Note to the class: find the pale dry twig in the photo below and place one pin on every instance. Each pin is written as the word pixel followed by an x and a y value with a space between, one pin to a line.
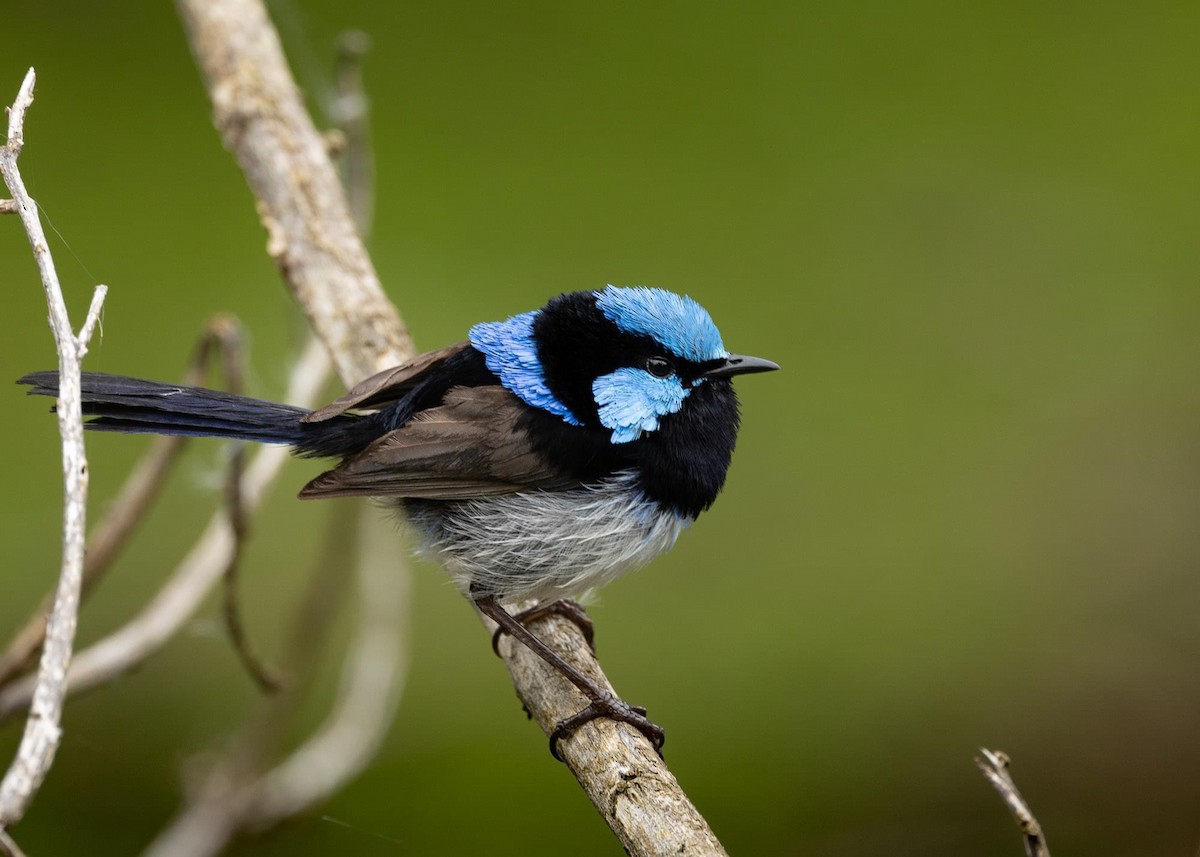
pixel 42 735
pixel 994 766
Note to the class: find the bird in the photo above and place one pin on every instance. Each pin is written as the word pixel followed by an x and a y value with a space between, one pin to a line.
pixel 540 458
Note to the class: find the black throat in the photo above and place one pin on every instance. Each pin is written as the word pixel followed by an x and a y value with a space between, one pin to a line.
pixel 681 466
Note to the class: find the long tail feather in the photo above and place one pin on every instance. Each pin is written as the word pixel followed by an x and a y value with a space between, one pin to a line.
pixel 117 403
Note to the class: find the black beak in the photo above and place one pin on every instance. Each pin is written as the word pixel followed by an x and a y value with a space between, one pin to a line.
pixel 740 364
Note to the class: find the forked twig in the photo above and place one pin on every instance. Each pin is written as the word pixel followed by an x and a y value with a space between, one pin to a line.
pixel 39 743
pixel 228 337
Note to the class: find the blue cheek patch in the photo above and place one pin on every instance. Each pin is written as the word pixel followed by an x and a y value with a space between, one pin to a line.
pixel 632 400
pixel 510 352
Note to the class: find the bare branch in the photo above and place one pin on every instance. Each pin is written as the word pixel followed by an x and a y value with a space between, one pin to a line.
pixel 310 625
pixel 8 206
pixel 195 576
pixel 239 795
pixel 267 678
pixel 626 780
pixel 258 110
pixel 39 743
pixel 229 339
pixel 994 766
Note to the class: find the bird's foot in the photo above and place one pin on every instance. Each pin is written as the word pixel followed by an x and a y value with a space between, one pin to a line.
pixel 564 607
pixel 614 708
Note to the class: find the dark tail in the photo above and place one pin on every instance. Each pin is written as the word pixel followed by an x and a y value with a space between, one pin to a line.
pixel 134 406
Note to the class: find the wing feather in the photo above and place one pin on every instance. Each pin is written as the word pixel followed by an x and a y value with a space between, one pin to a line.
pixel 472 445
pixel 389 385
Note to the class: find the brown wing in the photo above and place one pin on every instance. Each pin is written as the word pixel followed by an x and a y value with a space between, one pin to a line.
pixel 470 446
pixel 386 386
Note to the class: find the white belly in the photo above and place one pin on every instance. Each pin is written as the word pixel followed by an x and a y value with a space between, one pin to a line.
pixel 546 544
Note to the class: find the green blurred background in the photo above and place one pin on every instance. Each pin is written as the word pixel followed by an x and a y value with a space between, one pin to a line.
pixel 965 513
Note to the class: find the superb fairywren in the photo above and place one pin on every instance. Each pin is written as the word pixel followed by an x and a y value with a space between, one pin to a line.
pixel 543 457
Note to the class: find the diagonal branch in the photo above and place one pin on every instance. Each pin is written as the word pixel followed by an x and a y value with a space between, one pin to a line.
pixel 262 120
pixel 246 791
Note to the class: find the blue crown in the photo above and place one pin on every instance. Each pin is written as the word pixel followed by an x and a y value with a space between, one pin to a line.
pixel 676 321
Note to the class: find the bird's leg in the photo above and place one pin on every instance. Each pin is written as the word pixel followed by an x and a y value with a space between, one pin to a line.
pixel 566 607
pixel 602 702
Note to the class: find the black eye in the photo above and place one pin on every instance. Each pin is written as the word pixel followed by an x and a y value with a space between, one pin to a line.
pixel 659 367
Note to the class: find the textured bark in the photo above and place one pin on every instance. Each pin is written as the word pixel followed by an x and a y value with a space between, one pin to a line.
pixel 629 784
pixel 262 120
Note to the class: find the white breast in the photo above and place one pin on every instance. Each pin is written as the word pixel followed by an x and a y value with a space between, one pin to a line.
pixel 547 544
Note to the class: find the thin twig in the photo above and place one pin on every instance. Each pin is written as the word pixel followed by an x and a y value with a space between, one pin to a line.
pixel 259 741
pixel 90 322
pixel 8 847
pixel 8 206
pixel 350 111
pixel 42 735
pixel 994 765
pixel 228 338
pixel 266 677
pixel 197 573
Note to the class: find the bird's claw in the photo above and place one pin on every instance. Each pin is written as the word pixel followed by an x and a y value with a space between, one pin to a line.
pixel 565 607
pixel 614 708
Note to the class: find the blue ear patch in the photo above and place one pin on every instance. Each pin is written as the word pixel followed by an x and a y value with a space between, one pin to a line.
pixel 632 400
pixel 678 322
pixel 510 352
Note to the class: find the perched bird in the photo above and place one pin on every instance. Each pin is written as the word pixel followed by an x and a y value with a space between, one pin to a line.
pixel 543 457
